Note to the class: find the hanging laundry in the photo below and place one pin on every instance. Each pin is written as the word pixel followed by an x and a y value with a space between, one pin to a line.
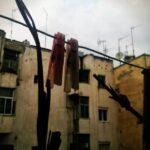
pixel 71 66
pixel 56 60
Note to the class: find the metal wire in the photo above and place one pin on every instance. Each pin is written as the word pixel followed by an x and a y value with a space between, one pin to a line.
pixel 82 47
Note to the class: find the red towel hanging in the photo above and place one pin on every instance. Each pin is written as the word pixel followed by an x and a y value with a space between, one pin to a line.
pixel 56 60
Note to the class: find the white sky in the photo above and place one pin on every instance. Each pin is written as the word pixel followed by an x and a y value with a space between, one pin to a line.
pixel 87 21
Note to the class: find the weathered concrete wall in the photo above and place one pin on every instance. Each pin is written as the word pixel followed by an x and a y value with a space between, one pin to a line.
pixel 98 130
pixel 23 130
pixel 8 80
pixel 23 134
pixel 6 124
pixel 129 80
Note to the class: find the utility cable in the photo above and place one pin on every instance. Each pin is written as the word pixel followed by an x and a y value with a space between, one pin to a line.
pixel 82 47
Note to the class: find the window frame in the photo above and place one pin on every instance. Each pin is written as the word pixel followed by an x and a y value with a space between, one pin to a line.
pixel 13 103
pixel 9 64
pixel 102 113
pixel 82 139
pixel 83 80
pixel 104 143
pixel 34 147
pixel 83 115
pixel 7 146
pixel 100 86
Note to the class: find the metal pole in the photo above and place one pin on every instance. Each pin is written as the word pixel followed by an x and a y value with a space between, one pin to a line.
pixel 103 42
pixel 120 39
pixel 12 15
pixel 104 47
pixel 132 40
pixel 127 48
pixel 11 31
pixel 46 14
pixel 119 45
pixel 146 129
pixel 126 52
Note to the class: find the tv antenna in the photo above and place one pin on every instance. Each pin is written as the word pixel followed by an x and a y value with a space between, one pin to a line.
pixel 132 40
pixel 120 55
pixel 103 43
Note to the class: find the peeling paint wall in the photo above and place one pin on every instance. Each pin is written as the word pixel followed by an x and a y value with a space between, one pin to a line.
pixel 22 132
pixel 129 80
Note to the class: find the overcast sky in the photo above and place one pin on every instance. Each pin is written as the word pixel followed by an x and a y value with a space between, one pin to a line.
pixel 87 21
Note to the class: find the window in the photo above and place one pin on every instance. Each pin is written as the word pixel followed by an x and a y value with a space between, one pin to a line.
pixel 34 148
pixel 81 142
pixel 102 77
pixel 84 76
pixel 102 113
pixel 6 147
pixel 104 145
pixel 10 61
pixel 7 103
pixel 84 107
pixel 35 78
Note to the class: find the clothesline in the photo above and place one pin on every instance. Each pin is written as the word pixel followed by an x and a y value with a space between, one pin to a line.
pixel 82 47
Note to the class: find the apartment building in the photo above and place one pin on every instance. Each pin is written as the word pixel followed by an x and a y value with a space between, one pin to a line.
pixel 87 118
pixel 129 81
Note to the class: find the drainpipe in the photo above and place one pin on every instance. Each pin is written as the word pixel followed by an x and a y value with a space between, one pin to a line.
pixel 146 128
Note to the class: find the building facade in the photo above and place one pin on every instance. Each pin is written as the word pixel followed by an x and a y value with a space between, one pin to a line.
pixel 129 81
pixel 87 119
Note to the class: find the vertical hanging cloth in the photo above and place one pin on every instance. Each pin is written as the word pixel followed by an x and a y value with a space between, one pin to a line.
pixel 2 43
pixel 56 60
pixel 71 66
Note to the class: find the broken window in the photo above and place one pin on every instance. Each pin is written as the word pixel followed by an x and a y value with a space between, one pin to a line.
pixel 84 75
pixel 10 61
pixel 102 77
pixel 84 107
pixel 102 113
pixel 104 145
pixel 7 103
